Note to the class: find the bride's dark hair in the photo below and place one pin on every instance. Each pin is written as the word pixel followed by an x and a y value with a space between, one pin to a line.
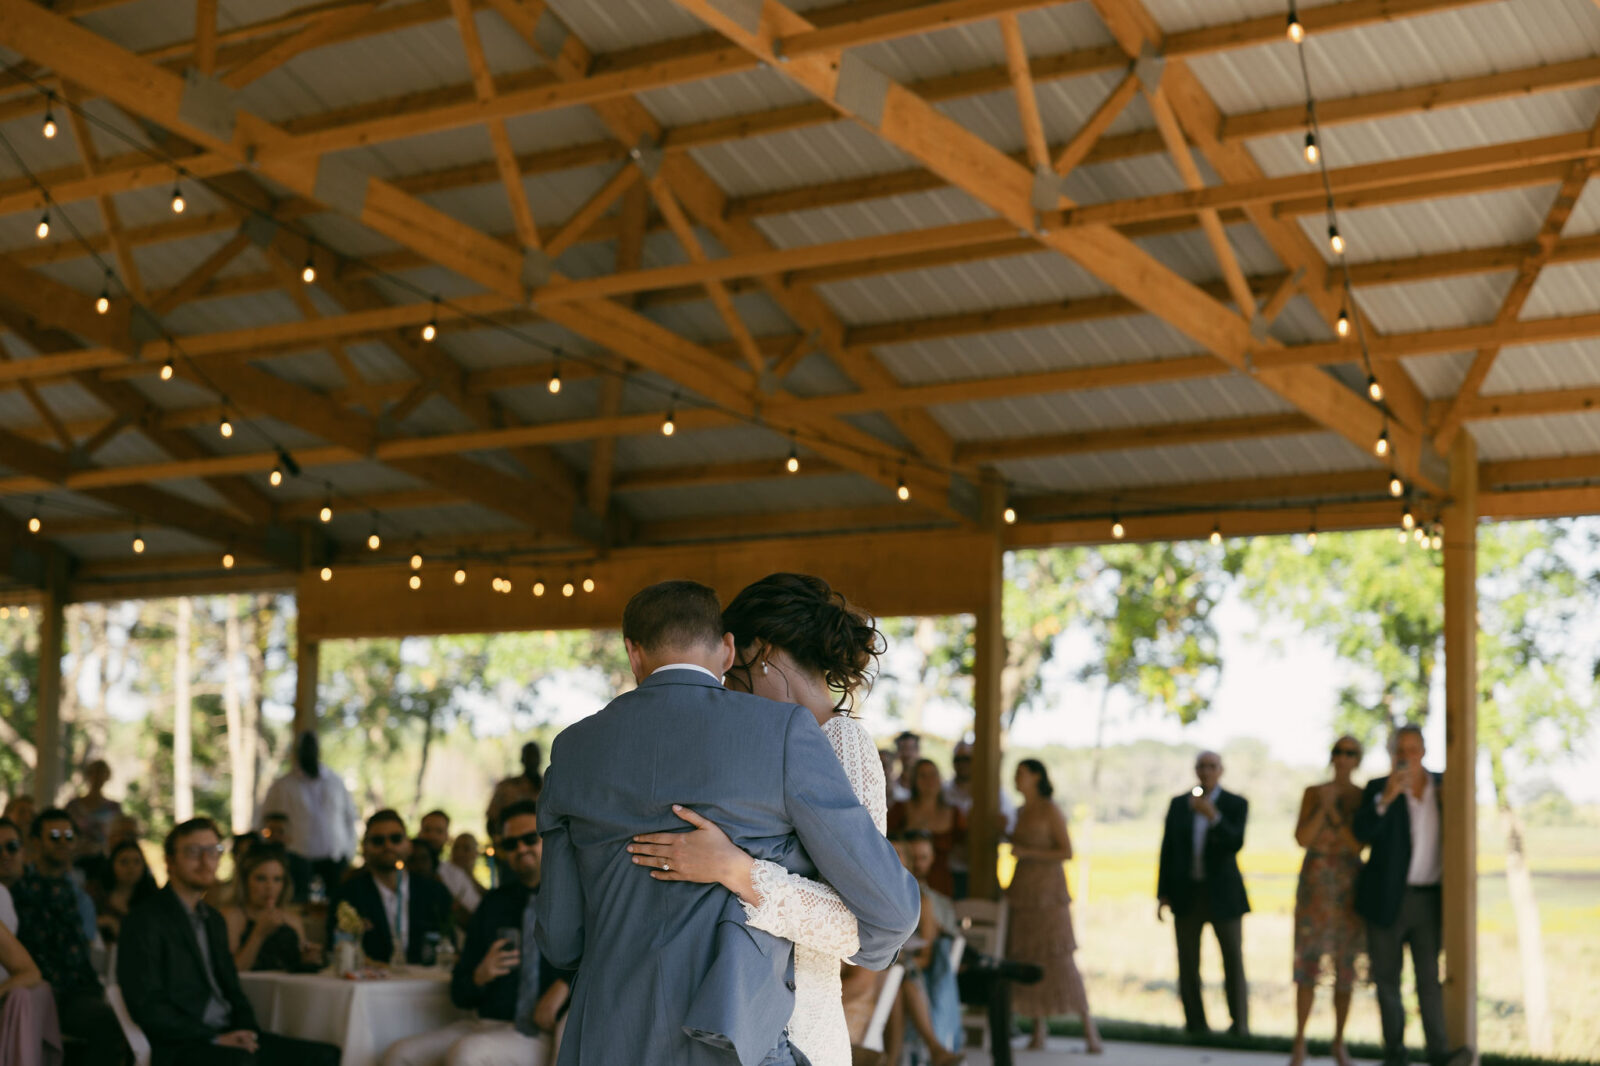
pixel 818 628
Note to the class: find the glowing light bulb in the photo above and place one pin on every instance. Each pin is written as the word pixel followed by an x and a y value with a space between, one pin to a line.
pixel 326 514
pixel 416 562
pixel 22 612
pixel 1436 541
pixel 178 202
pixel 588 584
pixel 166 370
pixel 1380 447
pixel 138 544
pixel 49 129
pixel 102 305
pixel 227 560
pixel 430 331
pixel 538 588
pixel 225 427
pixel 1400 536
pixel 902 490
pixel 308 273
pixel 1009 516
pixel 1408 521
pixel 792 464
pixel 1342 327
pixel 1313 153
pixel 1216 534
pixel 461 577
pixel 276 477
pixel 327 573
pixel 1311 537
pixel 373 541
pixel 1117 530
pixel 669 425
pixel 1296 31
pixel 1397 487
pixel 567 589
pixel 415 582
pixel 1374 389
pixel 34 525
pixel 42 230
pixel 1335 241
pixel 555 381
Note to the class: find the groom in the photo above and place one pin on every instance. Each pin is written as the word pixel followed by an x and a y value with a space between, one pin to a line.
pixel 668 972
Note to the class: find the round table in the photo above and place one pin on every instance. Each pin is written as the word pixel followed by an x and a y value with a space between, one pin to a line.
pixel 361 1017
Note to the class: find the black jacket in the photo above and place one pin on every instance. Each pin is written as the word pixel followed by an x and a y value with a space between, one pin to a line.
pixel 1381 886
pixel 502 908
pixel 1223 883
pixel 162 976
pixel 428 905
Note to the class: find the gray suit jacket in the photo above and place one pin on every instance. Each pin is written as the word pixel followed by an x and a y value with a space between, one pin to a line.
pixel 668 972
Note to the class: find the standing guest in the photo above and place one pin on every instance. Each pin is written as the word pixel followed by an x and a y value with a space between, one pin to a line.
pixel 524 786
pixel 927 809
pixel 51 926
pixel 263 934
pixel 178 977
pixel 464 856
pixel 1398 893
pixel 276 830
pixel 92 813
pixel 1199 880
pixel 488 973
pixel 121 883
pixel 1325 921
pixel 12 859
pixel 20 810
pixel 907 749
pixel 463 889
pixel 319 807
pixel 30 1033
pixel 400 909
pixel 959 794
pixel 1041 910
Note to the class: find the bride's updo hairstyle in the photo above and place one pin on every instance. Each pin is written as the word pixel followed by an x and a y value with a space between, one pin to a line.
pixel 816 626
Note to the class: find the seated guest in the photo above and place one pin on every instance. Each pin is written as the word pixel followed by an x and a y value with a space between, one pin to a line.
pixel 50 924
pixel 20 811
pixel 423 860
pixel 400 910
pixel 220 894
pixel 12 858
pixel 261 933
pixel 177 974
pixel 121 883
pixel 927 808
pixel 464 857
pixel 487 975
pixel 929 995
pixel 54 842
pixel 30 1034
pixel 276 830
pixel 463 889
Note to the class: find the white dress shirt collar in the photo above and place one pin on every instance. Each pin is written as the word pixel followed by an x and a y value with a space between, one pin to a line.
pixel 686 666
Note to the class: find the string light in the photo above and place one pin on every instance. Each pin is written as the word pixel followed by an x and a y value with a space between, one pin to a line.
pixel 538 587
pixel 1380 447
pixel 34 525
pixel 1313 153
pixel 227 560
pixel 49 129
pixel 42 230
pixel 1437 540
pixel 1009 516
pixel 1295 29
pixel 415 582
pixel 588 584
pixel 669 425
pixel 555 379
pixel 374 542
pixel 792 464
pixel 1311 535
pixel 167 369
pixel 1397 488
pixel 1216 534
pixel 431 330
pixel 1117 530
pixel 276 477
pixel 567 590
pixel 1335 241
pixel 1374 389
pixel 225 427
pixel 416 562
pixel 1408 521
pixel 308 273
pixel 460 576
pixel 138 544
pixel 327 573
pixel 1400 536
pixel 178 202
pixel 1342 326
pixel 103 303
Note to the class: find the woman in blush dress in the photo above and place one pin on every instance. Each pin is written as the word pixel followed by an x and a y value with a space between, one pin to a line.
pixel 1326 926
pixel 798 642
pixel 929 811
pixel 1041 910
pixel 30 1034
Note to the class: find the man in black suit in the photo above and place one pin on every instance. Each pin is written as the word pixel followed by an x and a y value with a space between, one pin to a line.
pixel 400 910
pixel 1199 880
pixel 177 974
pixel 1398 893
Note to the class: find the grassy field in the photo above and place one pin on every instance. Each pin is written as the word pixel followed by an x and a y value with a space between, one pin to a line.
pixel 1129 963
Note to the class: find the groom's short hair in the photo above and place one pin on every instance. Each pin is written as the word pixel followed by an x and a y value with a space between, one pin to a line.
pixel 673 614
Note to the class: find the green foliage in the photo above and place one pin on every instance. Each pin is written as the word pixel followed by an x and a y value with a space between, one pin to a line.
pixel 19 697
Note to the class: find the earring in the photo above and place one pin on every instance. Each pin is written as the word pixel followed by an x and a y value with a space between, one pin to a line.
pixel 763 668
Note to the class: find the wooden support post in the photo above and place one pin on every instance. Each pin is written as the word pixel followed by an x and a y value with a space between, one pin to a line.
pixel 307 660
pixel 1461 745
pixel 49 742
pixel 989 660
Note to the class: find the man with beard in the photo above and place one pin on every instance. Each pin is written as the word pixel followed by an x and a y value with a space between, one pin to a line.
pixel 319 807
pixel 400 910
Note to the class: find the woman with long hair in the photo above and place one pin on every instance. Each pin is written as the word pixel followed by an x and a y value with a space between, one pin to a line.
pixel 799 642
pixel 30 1032
pixel 1326 926
pixel 1041 909
pixel 262 932
pixel 928 810
pixel 122 882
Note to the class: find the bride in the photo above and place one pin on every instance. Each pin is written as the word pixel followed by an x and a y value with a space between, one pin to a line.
pixel 799 642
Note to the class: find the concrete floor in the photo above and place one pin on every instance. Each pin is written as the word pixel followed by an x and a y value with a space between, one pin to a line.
pixel 1069 1052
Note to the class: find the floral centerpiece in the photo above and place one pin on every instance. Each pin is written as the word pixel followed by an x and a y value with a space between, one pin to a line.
pixel 348 929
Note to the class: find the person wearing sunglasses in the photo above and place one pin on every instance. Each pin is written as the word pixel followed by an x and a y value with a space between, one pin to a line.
pixel 52 925
pixel 1326 926
pixel 495 965
pixel 400 910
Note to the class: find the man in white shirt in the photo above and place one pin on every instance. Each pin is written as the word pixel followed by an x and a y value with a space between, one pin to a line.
pixel 320 809
pixel 1399 894
pixel 435 833
pixel 958 793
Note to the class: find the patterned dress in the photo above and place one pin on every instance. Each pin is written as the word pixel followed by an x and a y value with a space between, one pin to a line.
pixel 1326 925
pixel 1040 919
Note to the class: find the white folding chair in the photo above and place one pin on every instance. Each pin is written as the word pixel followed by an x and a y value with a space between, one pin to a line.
pixel 137 1041
pixel 873 1039
pixel 983 925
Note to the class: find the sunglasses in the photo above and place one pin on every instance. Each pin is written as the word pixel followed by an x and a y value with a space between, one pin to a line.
pixel 526 840
pixel 11 847
pixel 1352 752
pixel 62 834
pixel 394 839
pixel 196 852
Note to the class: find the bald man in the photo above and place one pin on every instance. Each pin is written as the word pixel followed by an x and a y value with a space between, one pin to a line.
pixel 1199 880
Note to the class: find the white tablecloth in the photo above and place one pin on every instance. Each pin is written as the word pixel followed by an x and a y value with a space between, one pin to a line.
pixel 362 1017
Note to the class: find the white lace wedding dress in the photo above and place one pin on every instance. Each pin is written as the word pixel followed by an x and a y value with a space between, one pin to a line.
pixel 810 914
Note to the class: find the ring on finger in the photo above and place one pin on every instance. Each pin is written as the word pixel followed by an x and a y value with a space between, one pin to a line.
pixel 665 865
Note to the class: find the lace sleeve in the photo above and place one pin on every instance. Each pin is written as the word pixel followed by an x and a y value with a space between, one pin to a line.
pixel 859 757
